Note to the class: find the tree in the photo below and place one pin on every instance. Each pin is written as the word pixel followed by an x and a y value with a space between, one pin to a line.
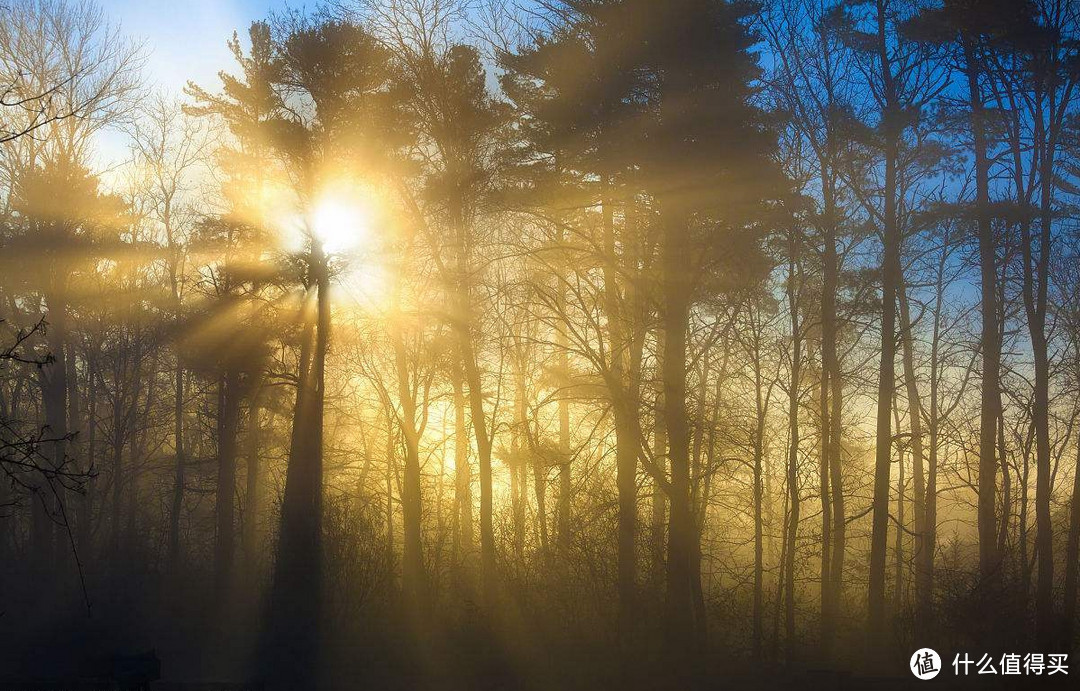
pixel 447 104
pixel 173 149
pixel 247 106
pixel 343 73
pixel 971 29
pixel 812 87
pixel 1040 93
pixel 575 143
pixel 65 73
pixel 705 134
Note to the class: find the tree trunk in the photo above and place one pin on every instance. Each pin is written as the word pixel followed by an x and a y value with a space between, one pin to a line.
pixel 758 499
pixel 562 346
pixel 624 407
pixel 1035 285
pixel 891 277
pixel 483 448
pixel 412 565
pixel 660 455
pixel 517 470
pixel 925 617
pixel 832 507
pixel 791 532
pixel 836 480
pixel 565 480
pixel 484 454
pixel 179 479
pixel 898 540
pixel 180 468
pixel 676 296
pixel 86 503
pixel 225 504
pixel 254 491
pixel 991 350
pixel 528 458
pixel 116 504
pixel 699 499
pixel 54 390
pixel 297 589
pixel 626 442
pixel 463 520
pixel 463 328
pixel 922 566
pixel 391 470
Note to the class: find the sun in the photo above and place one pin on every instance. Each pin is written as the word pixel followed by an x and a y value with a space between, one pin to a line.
pixel 341 225
pixel 344 226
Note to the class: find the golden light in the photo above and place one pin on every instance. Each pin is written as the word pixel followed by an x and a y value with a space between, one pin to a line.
pixel 341 225
pixel 346 221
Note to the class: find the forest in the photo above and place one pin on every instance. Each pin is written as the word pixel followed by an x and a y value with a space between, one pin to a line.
pixel 540 344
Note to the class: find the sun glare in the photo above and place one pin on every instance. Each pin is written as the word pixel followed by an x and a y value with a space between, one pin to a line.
pixel 341 225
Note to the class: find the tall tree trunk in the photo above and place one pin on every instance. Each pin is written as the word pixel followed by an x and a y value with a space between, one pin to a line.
pixel 179 479
pixel 926 557
pixel 296 614
pixel 991 349
pixel 540 492
pixel 626 454
pixel 517 469
pixel 139 440
pixel 898 540
pixel 463 328
pixel 887 370
pixel 562 346
pixel 463 520
pixel 1035 285
pixel 791 532
pixel 54 385
pixel 9 410
pixel 119 441
pixel 836 480
pixel 65 546
pixel 565 480
pixel 660 455
pixel 412 565
pixel 225 504
pixel 86 504
pixel 832 542
pixel 922 566
pixel 697 588
pixel 530 459
pixel 1006 484
pixel 758 500
pixel 254 491
pixel 1024 524
pixel 676 297
pixel 180 468
pixel 624 407
pixel 699 484
pixel 391 470
pixel 483 448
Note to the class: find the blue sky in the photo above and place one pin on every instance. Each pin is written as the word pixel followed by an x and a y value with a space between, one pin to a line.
pixel 185 39
pixel 182 40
